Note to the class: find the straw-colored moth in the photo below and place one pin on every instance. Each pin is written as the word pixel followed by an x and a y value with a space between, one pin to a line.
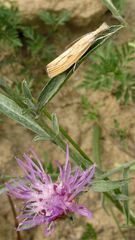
pixel 73 53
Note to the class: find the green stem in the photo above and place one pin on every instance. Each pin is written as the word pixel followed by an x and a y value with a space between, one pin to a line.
pixel 79 157
pixel 72 142
pixel 117 223
pixel 117 169
pixel 15 217
pixel 75 155
pixel 120 207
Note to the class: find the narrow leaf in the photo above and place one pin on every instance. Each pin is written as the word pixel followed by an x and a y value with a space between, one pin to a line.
pixel 114 11
pixel 45 137
pixel 108 185
pixel 120 168
pixel 121 197
pixel 55 124
pixel 26 90
pixel 125 192
pixel 55 84
pixel 13 111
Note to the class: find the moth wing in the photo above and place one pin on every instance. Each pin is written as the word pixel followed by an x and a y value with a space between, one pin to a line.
pixel 74 53
pixel 68 58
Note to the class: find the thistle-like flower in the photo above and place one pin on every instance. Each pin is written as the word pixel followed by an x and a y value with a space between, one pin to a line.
pixel 46 201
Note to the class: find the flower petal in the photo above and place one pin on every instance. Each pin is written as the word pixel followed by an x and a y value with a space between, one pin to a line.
pixel 80 209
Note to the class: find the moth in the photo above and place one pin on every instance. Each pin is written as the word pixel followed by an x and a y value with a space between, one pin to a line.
pixel 73 53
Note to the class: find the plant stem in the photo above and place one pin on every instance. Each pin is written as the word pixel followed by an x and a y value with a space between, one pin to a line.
pixel 117 223
pixel 75 155
pixel 14 214
pixel 80 157
pixel 72 142
pixel 119 206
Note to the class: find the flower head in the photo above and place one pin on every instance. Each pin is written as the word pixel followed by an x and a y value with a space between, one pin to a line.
pixel 45 200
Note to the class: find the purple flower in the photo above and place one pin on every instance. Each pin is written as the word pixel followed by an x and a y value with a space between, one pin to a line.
pixel 44 200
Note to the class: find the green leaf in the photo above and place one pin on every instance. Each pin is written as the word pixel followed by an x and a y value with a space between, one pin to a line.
pixel 89 233
pixel 55 124
pixel 107 185
pixel 13 111
pixel 26 90
pixel 121 197
pixel 132 168
pixel 119 4
pixel 9 24
pixel 55 84
pixel 45 137
pixel 54 19
pixel 36 46
pixel 64 17
pixel 120 168
pixel 28 32
pixel 114 11
pixel 125 192
pixel 51 88
pixel 4 178
pixel 2 188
